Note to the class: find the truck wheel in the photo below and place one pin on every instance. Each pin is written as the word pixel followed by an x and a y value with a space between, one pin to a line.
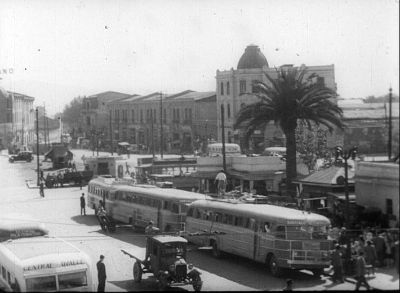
pixel 197 284
pixel 162 283
pixel 215 251
pixel 275 270
pixel 137 272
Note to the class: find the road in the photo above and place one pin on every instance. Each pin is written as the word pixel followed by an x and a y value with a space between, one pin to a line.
pixel 60 211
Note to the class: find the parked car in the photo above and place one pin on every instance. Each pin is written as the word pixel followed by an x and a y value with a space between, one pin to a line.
pixel 21 156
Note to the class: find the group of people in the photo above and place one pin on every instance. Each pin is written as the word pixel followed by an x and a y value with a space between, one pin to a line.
pixel 368 250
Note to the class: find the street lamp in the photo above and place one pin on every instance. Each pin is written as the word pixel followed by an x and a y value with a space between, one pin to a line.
pixel 345 155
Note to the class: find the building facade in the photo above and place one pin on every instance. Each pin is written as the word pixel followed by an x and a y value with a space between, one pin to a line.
pixel 185 118
pixel 234 90
pixel 377 185
pixel 17 120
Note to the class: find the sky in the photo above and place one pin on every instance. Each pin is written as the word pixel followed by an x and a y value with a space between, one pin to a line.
pixel 58 50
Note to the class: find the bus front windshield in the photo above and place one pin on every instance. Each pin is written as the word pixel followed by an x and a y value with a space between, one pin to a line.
pixel 65 281
pixel 306 232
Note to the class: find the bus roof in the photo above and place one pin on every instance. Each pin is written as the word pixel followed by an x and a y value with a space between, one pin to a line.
pixel 14 223
pixel 25 249
pixel 169 193
pixel 271 212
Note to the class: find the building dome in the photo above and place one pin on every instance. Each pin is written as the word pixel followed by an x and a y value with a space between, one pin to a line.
pixel 252 58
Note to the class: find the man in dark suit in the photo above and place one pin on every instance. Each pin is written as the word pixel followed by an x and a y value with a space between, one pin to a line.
pixel 101 274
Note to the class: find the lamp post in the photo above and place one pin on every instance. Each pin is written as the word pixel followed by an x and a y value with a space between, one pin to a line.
pixel 345 155
pixel 37 145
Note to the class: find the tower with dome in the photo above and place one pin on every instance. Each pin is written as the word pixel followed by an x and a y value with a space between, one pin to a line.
pixel 234 88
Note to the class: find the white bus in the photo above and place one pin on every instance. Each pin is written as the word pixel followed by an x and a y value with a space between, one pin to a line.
pixel 43 263
pixel 231 149
pixel 166 207
pixel 277 236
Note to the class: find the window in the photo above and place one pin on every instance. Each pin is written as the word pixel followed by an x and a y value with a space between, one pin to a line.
pixel 41 284
pixel 190 114
pixel 141 116
pixel 389 206
pixel 72 280
pixel 167 205
pixel 228 88
pixel 165 116
pixel 190 212
pixel 280 232
pixel 321 81
pixel 175 208
pixel 222 88
pixel 154 115
pixel 238 221
pixel 133 115
pixel 3 272
pixel 229 111
pixel 242 86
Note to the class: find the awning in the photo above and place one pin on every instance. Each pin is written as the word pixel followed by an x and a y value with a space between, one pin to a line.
pixel 341 196
pixel 123 144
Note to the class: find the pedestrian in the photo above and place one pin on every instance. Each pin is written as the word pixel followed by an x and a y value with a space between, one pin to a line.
pixel 289 285
pixel 73 166
pixel 360 272
pixel 41 188
pixel 83 204
pixel 101 274
pixel 149 228
pixel 337 264
pixel 221 184
pixel 379 243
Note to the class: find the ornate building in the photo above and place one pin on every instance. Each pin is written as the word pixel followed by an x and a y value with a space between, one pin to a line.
pixel 234 88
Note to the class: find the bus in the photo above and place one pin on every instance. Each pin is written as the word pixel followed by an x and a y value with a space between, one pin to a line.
pixel 231 150
pixel 14 226
pixel 278 236
pixel 39 263
pixel 166 207
pixel 103 189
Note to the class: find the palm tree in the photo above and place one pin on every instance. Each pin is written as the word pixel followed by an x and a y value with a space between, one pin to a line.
pixel 285 100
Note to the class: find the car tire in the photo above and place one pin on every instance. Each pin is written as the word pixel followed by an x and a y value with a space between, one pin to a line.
pixel 197 284
pixel 274 269
pixel 137 272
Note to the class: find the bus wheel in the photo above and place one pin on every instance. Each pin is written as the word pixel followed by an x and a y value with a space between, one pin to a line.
pixel 317 272
pixel 275 270
pixel 137 272
pixel 215 251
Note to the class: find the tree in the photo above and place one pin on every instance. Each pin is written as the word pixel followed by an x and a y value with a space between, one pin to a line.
pixel 312 144
pixel 285 100
pixel 71 115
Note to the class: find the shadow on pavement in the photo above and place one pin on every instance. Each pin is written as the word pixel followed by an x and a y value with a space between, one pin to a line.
pixel 89 220
pixel 257 276
pixel 148 283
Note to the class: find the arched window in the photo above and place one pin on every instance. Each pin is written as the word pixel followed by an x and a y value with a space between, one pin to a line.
pixel 222 88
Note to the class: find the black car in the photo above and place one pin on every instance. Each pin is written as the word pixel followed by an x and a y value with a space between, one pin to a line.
pixel 21 156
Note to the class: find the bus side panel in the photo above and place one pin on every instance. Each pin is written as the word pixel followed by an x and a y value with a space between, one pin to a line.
pixel 169 221
pixel 196 226
pixel 265 245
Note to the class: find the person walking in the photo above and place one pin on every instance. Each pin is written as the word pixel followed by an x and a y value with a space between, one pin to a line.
pixel 380 247
pixel 337 264
pixel 221 184
pixel 370 254
pixel 360 271
pixel 41 188
pixel 83 204
pixel 101 274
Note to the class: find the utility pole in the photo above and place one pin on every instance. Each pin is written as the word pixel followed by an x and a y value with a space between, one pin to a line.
pixel 161 128
pixel 223 137
pixel 390 125
pixel 111 135
pixel 44 125
pixel 37 145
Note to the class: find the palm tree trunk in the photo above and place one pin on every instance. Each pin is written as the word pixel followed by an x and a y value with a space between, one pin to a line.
pixel 291 164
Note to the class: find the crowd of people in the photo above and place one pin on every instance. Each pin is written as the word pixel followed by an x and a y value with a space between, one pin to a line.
pixel 377 248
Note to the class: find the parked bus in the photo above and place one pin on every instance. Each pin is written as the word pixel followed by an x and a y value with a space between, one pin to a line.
pixel 277 236
pixel 231 149
pixel 42 263
pixel 166 207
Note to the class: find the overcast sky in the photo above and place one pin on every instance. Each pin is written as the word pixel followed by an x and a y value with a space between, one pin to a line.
pixel 62 49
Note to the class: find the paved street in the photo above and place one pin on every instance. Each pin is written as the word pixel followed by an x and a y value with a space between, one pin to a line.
pixel 59 210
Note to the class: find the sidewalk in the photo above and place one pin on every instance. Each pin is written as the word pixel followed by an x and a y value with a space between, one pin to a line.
pixel 384 279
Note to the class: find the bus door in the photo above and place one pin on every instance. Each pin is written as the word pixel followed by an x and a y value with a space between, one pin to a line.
pixel 265 240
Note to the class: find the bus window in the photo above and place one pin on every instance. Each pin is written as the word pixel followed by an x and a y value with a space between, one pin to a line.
pixel 224 219
pixel 3 272
pixel 238 221
pixel 266 227
pixel 8 278
pixel 196 213
pixel 175 208
pixel 229 219
pixel 72 280
pixel 190 212
pixel 40 284
pixel 167 205
pixel 184 208
pixel 280 232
